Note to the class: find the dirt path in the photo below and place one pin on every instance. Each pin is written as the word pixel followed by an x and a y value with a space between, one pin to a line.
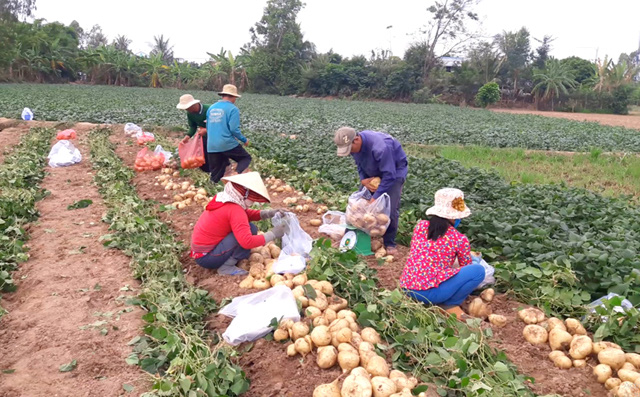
pixel 70 300
pixel 629 121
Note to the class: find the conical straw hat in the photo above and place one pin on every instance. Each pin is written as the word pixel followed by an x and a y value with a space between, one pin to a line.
pixel 251 181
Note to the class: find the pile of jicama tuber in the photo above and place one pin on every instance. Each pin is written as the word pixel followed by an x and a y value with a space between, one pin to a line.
pixel 188 194
pixel 572 347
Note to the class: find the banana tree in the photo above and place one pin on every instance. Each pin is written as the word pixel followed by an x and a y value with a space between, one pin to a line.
pixel 156 69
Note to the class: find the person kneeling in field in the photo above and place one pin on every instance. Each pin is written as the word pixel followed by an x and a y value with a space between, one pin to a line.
pixel 430 275
pixel 223 234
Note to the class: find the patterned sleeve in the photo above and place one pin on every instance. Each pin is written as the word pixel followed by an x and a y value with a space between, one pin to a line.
pixel 463 251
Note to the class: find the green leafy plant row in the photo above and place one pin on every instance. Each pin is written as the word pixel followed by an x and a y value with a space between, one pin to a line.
pixel 20 176
pixel 175 347
pixel 426 124
pixel 440 350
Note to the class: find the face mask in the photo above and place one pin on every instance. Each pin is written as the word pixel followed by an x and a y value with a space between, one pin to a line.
pixel 457 223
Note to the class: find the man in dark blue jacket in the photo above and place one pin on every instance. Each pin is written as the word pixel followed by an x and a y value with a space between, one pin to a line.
pixel 377 155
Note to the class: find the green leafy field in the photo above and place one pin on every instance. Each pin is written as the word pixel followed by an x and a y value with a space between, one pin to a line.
pixel 426 124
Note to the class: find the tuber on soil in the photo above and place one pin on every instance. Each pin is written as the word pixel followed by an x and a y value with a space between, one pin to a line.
pixel 377 366
pixel 487 295
pixel 315 222
pixel 628 375
pixel 291 350
pixel 370 335
pixel 628 389
pixel 382 387
pixel 328 390
pixel 600 346
pixel 356 386
pixel 247 282
pixel 479 309
pixel 580 347
pixel 260 284
pixel 560 359
pixel 497 320
pixel 321 336
pixel 535 334
pixel 327 357
pixel 531 315
pixel 612 357
pixel 579 363
pixel 348 360
pixel 344 335
pixel 559 339
pixel 612 383
pixel 302 346
pixel 633 358
pixel 574 327
pixel 602 372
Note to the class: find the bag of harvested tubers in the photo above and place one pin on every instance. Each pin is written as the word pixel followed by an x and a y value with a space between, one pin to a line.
pixel 371 218
pixel 296 245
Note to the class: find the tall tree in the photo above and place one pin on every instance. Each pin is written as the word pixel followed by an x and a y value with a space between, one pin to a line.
pixel 515 48
pixel 15 9
pixel 542 52
pixel 161 46
pixel 122 43
pixel 95 37
pixel 277 50
pixel 447 31
pixel 484 58
pixel 556 78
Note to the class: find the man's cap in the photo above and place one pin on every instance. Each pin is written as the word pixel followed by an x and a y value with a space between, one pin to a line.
pixel 344 139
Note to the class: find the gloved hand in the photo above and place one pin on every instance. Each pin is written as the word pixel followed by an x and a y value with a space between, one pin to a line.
pixel 276 232
pixel 268 214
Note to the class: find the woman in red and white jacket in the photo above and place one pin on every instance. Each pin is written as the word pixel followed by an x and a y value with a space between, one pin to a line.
pixel 430 275
pixel 224 233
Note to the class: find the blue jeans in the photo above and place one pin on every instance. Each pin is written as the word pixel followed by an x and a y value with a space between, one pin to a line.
pixel 452 291
pixel 227 248
pixel 389 238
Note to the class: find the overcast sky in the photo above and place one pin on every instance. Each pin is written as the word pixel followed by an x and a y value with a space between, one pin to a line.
pixel 352 27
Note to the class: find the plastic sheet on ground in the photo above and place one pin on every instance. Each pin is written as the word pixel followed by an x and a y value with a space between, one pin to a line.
pixel 64 154
pixel 131 129
pixel 253 313
pixel 296 245
pixel 488 271
pixel 624 305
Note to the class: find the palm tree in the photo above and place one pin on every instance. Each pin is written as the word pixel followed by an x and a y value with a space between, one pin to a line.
pixel 554 79
pixel 161 46
pixel 122 43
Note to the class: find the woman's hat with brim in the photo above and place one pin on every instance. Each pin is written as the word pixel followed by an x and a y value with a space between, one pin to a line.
pixel 251 181
pixel 186 101
pixel 229 89
pixel 449 204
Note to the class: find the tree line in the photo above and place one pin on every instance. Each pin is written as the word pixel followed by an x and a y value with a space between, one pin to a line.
pixel 278 60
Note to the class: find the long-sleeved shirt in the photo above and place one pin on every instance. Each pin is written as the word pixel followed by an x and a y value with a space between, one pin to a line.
pixel 195 120
pixel 431 262
pixel 223 127
pixel 220 219
pixel 382 156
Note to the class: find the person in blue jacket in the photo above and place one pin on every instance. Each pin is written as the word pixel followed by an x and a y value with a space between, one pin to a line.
pixel 377 155
pixel 225 140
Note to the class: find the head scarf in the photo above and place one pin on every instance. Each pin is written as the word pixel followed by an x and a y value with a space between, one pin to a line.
pixel 231 195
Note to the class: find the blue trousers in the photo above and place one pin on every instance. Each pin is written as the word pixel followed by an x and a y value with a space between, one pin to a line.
pixel 452 291
pixel 389 238
pixel 227 248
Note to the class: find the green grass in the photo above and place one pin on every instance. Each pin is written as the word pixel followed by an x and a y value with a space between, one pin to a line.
pixel 611 175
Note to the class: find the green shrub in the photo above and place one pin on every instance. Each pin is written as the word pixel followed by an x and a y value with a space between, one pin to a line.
pixel 621 99
pixel 488 94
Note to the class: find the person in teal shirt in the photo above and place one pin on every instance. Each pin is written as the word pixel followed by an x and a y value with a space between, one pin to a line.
pixel 197 122
pixel 225 140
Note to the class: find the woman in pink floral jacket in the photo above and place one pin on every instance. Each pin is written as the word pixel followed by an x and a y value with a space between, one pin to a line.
pixel 430 274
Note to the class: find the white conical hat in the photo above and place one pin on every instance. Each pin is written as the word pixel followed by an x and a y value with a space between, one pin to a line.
pixel 251 181
pixel 449 204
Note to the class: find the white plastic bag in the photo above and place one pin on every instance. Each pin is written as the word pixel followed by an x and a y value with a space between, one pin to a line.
pixel 333 224
pixel 167 155
pixel 27 114
pixel 131 129
pixel 296 245
pixel 624 305
pixel 63 154
pixel 253 313
pixel 371 218
pixel 488 271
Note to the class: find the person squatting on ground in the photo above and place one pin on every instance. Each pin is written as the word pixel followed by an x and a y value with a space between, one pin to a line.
pixel 224 234
pixel 377 155
pixel 430 275
pixel 196 121
pixel 223 129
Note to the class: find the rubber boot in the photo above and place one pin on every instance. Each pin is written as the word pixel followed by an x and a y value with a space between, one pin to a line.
pixel 229 268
